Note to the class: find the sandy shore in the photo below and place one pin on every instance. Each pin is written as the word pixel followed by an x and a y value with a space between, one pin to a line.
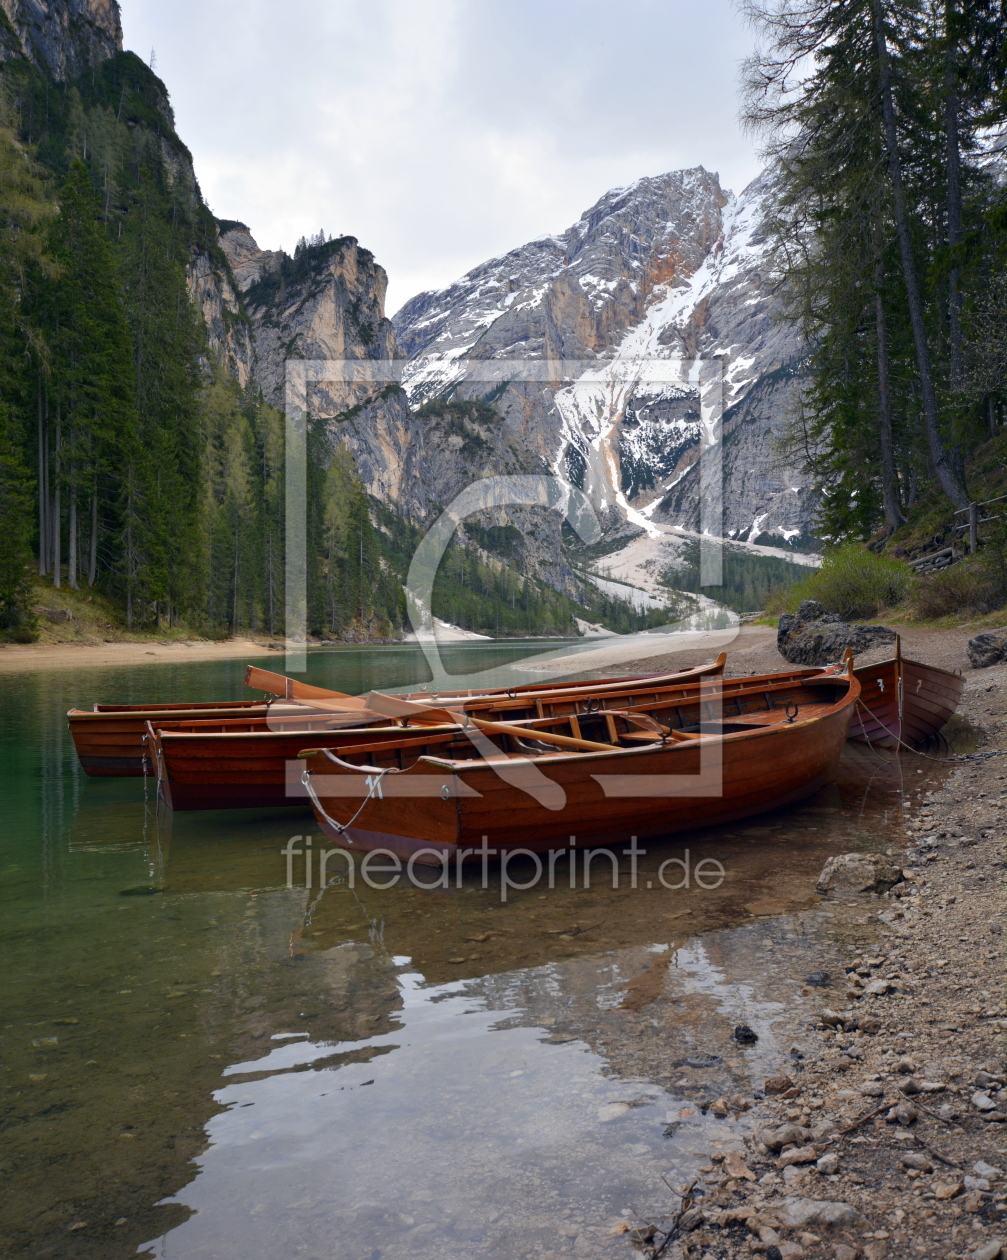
pixel 17 657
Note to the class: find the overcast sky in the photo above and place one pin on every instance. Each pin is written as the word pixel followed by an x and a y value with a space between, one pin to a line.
pixel 441 132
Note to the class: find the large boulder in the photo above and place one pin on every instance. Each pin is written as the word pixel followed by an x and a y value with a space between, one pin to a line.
pixel 987 649
pixel 858 872
pixel 812 636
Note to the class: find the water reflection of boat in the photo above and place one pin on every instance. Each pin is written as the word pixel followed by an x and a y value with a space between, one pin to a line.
pixel 903 701
pixel 712 756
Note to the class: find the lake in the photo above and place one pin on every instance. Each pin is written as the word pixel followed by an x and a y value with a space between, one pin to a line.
pixel 202 1061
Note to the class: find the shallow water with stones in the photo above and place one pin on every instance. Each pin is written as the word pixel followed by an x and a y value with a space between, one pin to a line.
pixel 200 1061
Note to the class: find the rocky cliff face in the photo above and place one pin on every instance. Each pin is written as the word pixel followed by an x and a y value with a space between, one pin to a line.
pixel 64 39
pixel 228 333
pixel 66 36
pixel 667 270
pixel 327 303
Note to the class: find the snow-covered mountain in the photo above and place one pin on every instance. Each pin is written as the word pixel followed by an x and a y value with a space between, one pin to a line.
pixel 666 271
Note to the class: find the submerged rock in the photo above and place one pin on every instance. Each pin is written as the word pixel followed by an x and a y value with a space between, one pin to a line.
pixel 812 636
pixel 858 872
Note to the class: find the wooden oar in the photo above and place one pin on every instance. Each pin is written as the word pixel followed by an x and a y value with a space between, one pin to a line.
pixel 291 689
pixel 393 706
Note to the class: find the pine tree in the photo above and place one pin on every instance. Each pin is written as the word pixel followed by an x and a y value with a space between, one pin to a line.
pixel 25 210
pixel 86 419
pixel 161 570
pixel 872 108
pixel 15 530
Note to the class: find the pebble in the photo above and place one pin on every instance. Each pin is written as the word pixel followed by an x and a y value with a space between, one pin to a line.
pixel 778 1084
pixel 947 1189
pixel 826 1213
pixel 910 1086
pixel 976 1183
pixel 872 1089
pixel 989 1251
pixel 982 1101
pixel 799 1155
pixel 906 1113
pixel 914 1160
pixel 828 1165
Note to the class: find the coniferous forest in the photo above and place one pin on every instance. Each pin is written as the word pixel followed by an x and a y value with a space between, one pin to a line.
pixel 883 123
pixel 132 463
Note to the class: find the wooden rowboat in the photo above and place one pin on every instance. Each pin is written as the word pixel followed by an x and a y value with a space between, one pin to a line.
pixel 721 754
pixel 110 738
pixel 242 763
pixel 903 702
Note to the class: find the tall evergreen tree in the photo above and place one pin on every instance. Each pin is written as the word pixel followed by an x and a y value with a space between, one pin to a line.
pixel 25 210
pixel 86 421
pixel 160 565
pixel 872 108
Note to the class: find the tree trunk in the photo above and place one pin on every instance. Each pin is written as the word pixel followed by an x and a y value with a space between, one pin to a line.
pixel 272 622
pixel 955 230
pixel 234 598
pixel 947 474
pixel 72 540
pixel 129 567
pixel 43 492
pixel 57 513
pixel 92 566
pixel 889 478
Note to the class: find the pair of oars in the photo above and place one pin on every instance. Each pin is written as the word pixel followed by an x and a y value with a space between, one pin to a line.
pixel 393 706
pixel 379 704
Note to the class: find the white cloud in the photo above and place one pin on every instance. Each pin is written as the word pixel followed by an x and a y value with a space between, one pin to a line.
pixel 441 132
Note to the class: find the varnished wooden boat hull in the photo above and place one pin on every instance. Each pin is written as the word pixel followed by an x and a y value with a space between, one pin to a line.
pixel 233 770
pixel 434 807
pixel 903 702
pixel 109 738
pixel 242 765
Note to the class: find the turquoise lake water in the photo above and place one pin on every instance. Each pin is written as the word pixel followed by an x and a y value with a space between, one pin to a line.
pixel 200 1061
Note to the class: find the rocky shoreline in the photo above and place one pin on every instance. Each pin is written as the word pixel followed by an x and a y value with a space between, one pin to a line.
pixel 884 1137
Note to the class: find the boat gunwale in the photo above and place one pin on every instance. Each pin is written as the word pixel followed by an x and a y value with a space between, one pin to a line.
pixel 851 698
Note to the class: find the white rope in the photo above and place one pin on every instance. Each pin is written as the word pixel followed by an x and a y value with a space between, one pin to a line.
pixel 341 827
pixel 909 748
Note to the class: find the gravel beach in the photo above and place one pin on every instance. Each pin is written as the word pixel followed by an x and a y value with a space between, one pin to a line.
pixel 883 1133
